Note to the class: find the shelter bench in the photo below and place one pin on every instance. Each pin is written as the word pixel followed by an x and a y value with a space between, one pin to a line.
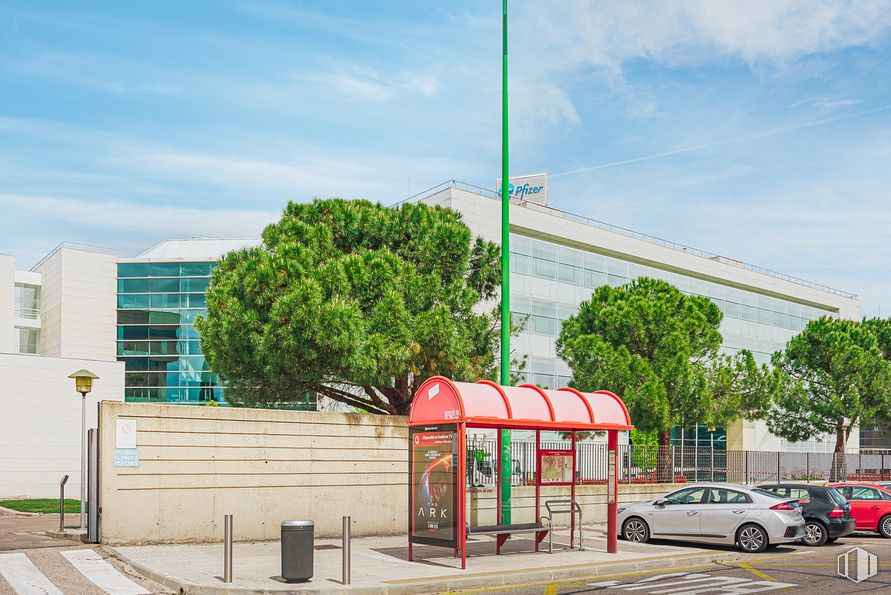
pixel 502 532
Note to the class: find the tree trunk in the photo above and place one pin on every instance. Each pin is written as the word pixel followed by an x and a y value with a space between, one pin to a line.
pixel 839 471
pixel 664 464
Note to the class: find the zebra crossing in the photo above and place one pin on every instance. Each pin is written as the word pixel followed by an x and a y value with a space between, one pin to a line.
pixel 26 578
pixel 684 583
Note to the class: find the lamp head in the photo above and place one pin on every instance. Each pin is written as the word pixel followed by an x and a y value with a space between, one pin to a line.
pixel 83 380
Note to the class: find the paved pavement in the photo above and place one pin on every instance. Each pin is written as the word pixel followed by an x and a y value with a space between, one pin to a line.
pixel 792 569
pixel 380 565
pixel 31 563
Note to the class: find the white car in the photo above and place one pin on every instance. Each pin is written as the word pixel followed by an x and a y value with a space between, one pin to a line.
pixel 749 518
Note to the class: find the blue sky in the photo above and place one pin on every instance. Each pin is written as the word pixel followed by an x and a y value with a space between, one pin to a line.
pixel 757 130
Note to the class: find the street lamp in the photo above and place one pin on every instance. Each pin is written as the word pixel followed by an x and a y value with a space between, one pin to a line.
pixel 83 383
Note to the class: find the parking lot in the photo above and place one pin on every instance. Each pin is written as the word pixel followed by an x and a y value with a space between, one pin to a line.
pixel 791 568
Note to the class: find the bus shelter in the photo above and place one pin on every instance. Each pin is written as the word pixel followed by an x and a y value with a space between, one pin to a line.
pixel 441 413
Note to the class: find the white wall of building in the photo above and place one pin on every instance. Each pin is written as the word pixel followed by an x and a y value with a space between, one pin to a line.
pixel 40 421
pixel 7 302
pixel 78 297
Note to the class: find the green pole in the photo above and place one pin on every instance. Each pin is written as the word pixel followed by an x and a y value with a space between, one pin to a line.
pixel 506 461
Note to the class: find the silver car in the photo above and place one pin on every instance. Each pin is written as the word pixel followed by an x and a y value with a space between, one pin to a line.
pixel 750 518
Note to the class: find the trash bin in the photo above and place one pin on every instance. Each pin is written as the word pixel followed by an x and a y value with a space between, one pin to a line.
pixel 297 550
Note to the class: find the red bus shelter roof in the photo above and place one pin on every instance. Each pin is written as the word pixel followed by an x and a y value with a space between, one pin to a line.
pixel 486 404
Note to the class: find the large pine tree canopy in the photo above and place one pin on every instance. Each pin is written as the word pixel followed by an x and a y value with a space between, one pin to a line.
pixel 355 301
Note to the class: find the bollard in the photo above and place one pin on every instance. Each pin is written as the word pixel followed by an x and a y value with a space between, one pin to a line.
pixel 346 550
pixel 62 503
pixel 227 549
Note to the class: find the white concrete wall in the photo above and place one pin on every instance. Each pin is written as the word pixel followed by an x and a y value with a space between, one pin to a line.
pixel 7 302
pixel 40 421
pixel 263 466
pixel 78 304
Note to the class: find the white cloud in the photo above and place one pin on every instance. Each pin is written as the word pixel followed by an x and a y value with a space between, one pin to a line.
pixel 368 85
pixel 559 41
pixel 165 220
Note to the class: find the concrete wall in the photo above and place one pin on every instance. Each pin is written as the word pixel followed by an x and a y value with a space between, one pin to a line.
pixel 200 463
pixel 197 464
pixel 40 421
pixel 78 304
pixel 7 302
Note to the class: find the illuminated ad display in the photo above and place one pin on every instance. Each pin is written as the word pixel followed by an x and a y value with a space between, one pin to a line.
pixel 434 485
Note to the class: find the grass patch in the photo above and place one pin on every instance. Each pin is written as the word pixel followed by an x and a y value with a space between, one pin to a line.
pixel 42 505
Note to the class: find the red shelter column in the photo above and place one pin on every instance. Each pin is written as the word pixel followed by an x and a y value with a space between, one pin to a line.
pixel 612 490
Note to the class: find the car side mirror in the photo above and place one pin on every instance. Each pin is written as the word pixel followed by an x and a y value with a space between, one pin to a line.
pixel 662 502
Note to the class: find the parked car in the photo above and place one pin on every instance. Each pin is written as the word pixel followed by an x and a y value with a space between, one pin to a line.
pixel 827 515
pixel 870 504
pixel 715 513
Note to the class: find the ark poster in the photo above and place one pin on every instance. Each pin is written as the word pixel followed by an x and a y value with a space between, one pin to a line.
pixel 434 485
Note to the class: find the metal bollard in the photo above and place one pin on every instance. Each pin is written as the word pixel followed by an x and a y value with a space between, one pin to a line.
pixel 62 503
pixel 346 550
pixel 227 549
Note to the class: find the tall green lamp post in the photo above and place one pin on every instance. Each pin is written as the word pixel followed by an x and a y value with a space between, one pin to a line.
pixel 505 274
pixel 83 383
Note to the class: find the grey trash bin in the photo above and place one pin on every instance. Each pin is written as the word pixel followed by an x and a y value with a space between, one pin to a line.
pixel 297 549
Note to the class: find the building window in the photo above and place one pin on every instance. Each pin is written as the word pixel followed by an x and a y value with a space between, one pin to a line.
pixel 26 340
pixel 27 301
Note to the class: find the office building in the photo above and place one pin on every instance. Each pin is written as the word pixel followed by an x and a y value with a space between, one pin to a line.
pixel 558 259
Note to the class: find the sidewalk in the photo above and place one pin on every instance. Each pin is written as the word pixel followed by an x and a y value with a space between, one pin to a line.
pixel 380 565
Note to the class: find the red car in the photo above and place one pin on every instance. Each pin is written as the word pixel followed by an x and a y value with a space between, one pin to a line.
pixel 870 504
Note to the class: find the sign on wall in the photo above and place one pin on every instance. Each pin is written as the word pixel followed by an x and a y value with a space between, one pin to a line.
pixel 531 188
pixel 126 457
pixel 434 485
pixel 125 433
pixel 555 466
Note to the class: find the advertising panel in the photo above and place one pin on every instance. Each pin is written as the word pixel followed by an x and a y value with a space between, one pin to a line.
pixel 556 466
pixel 434 485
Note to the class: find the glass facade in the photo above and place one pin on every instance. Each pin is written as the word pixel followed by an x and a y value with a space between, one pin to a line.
pixel 157 306
pixel 549 281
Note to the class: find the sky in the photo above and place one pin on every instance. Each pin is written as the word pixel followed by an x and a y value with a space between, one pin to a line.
pixel 758 130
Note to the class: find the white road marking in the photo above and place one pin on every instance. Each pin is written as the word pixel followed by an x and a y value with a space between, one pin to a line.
pixel 24 577
pixel 101 573
pixel 678 583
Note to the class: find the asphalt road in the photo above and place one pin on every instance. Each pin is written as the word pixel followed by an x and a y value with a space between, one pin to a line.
pixel 796 569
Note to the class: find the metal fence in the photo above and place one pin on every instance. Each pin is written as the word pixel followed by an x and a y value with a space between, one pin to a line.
pixel 677 464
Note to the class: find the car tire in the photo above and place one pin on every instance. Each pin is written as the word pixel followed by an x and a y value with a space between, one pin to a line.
pixel 752 539
pixel 635 530
pixel 815 533
pixel 885 526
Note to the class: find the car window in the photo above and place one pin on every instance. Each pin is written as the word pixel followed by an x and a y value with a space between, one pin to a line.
pixel 837 496
pixel 687 496
pixel 725 496
pixel 781 491
pixel 863 493
pixel 886 496
pixel 768 493
pixel 799 493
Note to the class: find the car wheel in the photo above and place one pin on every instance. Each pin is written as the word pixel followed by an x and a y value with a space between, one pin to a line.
pixel 752 539
pixel 634 529
pixel 885 526
pixel 815 534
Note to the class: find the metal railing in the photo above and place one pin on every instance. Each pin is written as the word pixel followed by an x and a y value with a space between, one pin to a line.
pixel 26 313
pixel 681 464
pixel 489 193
